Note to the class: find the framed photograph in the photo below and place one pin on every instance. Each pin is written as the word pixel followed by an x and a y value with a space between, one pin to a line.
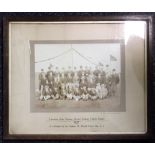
pixel 77 78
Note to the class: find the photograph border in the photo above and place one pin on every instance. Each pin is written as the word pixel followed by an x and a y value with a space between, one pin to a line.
pixel 111 137
pixel 108 41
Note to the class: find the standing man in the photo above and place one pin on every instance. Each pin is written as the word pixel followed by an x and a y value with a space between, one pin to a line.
pixel 80 72
pixel 86 70
pixel 75 80
pixel 96 71
pixel 114 82
pixel 42 83
pixel 50 78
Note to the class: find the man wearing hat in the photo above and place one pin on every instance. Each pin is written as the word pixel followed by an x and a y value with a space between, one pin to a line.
pixel 80 72
pixel 42 83
pixel 50 78
pixel 114 82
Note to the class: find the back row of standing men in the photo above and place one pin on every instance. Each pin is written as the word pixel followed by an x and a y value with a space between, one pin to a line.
pixel 85 83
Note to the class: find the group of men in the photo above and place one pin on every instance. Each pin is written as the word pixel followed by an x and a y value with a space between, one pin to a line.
pixel 77 84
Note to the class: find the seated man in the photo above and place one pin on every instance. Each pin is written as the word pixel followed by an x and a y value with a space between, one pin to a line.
pixel 63 94
pixel 104 91
pixel 76 95
pixel 84 93
pixel 92 94
pixel 69 94
pixel 47 92
pixel 98 90
pixel 57 94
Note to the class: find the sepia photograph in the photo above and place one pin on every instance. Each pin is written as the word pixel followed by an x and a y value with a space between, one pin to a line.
pixel 76 76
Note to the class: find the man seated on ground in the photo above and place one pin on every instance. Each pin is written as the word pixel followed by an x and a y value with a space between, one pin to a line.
pixel 92 94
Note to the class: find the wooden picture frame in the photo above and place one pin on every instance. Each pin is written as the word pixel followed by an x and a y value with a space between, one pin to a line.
pixel 76 137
